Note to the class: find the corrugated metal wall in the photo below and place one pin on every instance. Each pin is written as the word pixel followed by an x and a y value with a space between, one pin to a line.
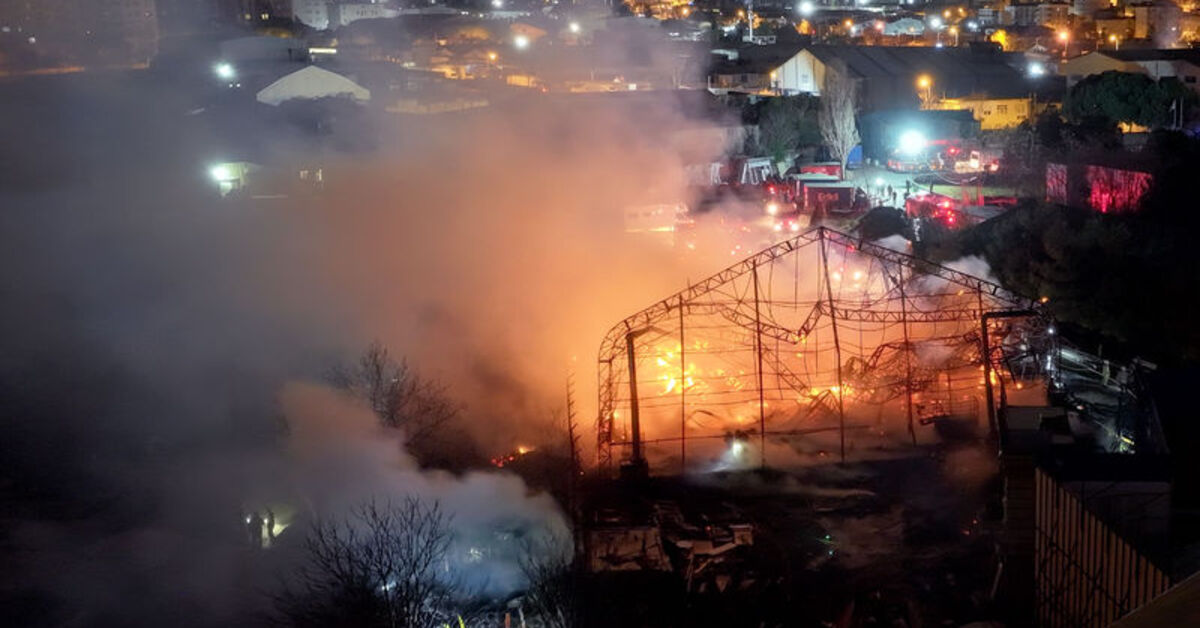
pixel 1085 574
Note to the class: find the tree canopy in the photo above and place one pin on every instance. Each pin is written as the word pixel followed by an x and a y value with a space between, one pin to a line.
pixel 1126 97
pixel 785 123
pixel 1134 277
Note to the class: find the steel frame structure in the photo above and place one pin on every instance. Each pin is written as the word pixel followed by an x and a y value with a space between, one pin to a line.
pixel 747 338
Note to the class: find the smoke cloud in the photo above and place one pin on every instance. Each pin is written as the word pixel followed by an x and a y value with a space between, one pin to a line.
pixel 154 332
pixel 339 457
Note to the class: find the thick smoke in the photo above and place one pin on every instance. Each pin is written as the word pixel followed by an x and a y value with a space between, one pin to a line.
pixel 338 457
pixel 151 327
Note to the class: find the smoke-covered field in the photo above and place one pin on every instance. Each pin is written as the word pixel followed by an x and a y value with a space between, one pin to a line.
pixel 164 352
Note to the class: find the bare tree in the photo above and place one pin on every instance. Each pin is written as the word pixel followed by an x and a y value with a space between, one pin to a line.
pixel 555 581
pixel 839 107
pixel 785 122
pixel 378 566
pixel 397 394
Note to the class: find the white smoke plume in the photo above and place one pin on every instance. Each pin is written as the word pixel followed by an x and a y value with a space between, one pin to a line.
pixel 339 457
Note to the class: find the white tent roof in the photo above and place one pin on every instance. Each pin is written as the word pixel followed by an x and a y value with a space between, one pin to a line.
pixel 311 83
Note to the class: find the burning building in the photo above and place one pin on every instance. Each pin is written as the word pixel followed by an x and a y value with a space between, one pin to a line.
pixel 819 339
pixel 827 347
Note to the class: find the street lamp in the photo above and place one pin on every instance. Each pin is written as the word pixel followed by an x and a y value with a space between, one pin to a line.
pixel 1065 38
pixel 925 88
pixel 521 42
pixel 806 8
pixel 954 31
pixel 1115 41
pixel 574 27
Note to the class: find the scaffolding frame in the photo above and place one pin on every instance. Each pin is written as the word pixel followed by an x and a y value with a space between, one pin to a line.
pixel 743 323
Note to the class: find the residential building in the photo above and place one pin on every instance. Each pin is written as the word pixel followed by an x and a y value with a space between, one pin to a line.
pixel 1088 8
pixel 260 10
pixel 1116 24
pixel 327 14
pixel 888 77
pixel 311 13
pixel 1157 21
pixel 1087 496
pixel 343 14
pixel 1182 63
pixel 1052 14
pixel 992 113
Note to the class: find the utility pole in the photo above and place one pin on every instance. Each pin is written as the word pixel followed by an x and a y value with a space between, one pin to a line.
pixel 640 468
pixel 682 393
pixel 573 503
pixel 762 402
pixel 572 437
pixel 908 383
pixel 837 349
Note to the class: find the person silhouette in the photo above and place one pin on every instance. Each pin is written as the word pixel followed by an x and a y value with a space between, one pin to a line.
pixel 254 529
pixel 270 527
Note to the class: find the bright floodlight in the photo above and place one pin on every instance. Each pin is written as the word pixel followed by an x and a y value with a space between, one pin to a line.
pixel 806 8
pixel 221 174
pixel 911 142
pixel 521 42
pixel 224 71
pixel 935 22
pixel 497 3
pixel 1036 69
pixel 574 26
